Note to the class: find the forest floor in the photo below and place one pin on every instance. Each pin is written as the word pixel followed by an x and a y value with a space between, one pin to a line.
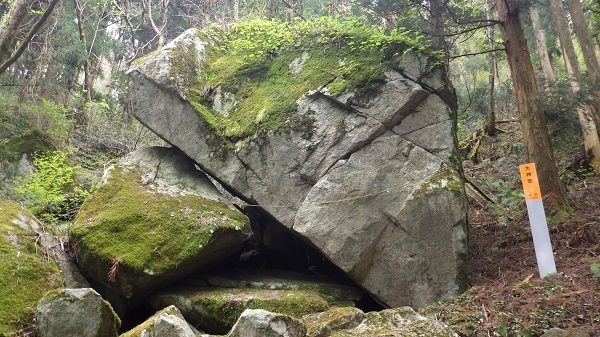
pixel 506 295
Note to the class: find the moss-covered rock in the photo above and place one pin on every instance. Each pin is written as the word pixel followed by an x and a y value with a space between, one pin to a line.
pixel 336 294
pixel 149 224
pixel 391 322
pixel 333 320
pixel 27 271
pixel 215 310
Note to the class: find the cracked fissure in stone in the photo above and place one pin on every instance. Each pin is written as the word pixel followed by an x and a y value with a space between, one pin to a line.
pixel 417 97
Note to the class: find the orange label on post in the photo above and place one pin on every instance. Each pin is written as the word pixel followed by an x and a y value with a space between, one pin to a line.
pixel 531 186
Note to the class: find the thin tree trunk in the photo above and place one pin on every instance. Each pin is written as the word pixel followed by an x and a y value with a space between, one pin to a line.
pixel 159 31
pixel 531 114
pixel 490 128
pixel 87 76
pixel 585 113
pixel 236 10
pixel 542 49
pixel 585 40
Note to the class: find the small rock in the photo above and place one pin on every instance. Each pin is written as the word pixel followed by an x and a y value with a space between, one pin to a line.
pixel 168 322
pixel 337 319
pixel 261 323
pixel 76 312
pixel 556 332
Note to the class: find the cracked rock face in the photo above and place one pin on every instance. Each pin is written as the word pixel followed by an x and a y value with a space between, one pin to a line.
pixel 371 182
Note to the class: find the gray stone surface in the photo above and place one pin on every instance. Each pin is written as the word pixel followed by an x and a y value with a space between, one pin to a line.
pixel 373 184
pixel 168 322
pixel 261 323
pixel 76 312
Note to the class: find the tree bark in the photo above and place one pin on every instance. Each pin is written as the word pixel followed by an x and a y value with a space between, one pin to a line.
pixel 542 49
pixel 585 40
pixel 87 76
pixel 585 113
pixel 490 128
pixel 4 41
pixel 562 29
pixel 531 115
pixel 10 27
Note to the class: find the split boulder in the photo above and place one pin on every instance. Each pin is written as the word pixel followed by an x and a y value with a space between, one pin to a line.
pixel 368 175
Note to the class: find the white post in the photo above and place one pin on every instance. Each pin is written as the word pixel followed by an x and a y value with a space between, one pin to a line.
pixel 537 220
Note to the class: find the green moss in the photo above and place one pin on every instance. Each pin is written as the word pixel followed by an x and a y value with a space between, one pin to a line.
pixel 226 305
pixel 184 65
pixel 446 177
pixel 255 64
pixel 151 232
pixel 26 274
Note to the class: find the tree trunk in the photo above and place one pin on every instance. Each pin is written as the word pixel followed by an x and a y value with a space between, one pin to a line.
pixel 585 113
pixel 562 29
pixel 585 40
pixel 9 27
pixel 531 114
pixel 87 76
pixel 236 10
pixel 490 128
pixel 540 40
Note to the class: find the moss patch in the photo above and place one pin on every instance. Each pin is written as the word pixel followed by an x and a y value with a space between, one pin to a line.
pixel 397 322
pixel 446 177
pixel 226 305
pixel 150 232
pixel 269 66
pixel 26 274
pixel 184 65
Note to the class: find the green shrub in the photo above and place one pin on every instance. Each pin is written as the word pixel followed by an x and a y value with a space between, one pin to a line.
pixel 47 186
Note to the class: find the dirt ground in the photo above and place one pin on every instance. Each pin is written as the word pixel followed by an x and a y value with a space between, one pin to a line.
pixel 506 295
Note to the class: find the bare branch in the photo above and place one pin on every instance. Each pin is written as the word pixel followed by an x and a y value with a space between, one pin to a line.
pixel 477 53
pixel 32 32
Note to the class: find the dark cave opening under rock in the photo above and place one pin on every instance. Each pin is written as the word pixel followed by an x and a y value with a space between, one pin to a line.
pixel 272 253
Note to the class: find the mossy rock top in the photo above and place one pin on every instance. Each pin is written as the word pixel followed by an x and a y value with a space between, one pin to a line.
pixel 246 82
pixel 27 273
pixel 215 310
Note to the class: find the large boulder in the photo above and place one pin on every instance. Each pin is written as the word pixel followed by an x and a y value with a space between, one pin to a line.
pixel 354 154
pixel 153 220
pixel 29 267
pixel 76 312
